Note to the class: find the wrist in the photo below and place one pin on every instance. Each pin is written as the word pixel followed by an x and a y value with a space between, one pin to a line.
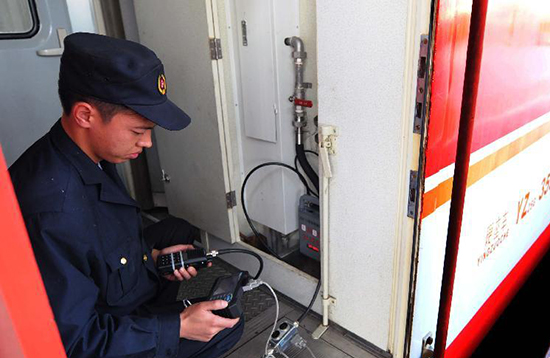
pixel 155 254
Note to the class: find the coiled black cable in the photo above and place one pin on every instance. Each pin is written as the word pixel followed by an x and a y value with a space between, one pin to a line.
pixel 257 234
pixel 254 230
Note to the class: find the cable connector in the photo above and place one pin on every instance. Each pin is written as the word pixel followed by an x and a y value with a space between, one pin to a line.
pixel 212 254
pixel 252 284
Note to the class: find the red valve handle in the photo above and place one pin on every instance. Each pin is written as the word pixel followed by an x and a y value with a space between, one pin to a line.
pixel 303 102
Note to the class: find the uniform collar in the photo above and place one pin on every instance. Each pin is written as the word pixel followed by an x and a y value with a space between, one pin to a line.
pixel 112 188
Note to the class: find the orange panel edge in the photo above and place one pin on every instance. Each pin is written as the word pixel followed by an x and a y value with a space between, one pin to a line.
pixel 22 292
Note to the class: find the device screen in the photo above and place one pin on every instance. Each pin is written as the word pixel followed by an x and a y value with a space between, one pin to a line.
pixel 226 285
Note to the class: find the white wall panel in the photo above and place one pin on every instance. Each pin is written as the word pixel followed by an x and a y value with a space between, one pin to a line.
pixel 361 52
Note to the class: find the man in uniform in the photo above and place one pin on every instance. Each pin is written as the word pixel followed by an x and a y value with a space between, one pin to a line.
pixel 97 263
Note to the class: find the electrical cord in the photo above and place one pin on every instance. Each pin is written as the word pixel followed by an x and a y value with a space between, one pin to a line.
pixel 304 314
pixel 313 355
pixel 296 166
pixel 311 174
pixel 243 203
pixel 269 353
pixel 276 316
pixel 243 251
pixel 305 151
pixel 256 283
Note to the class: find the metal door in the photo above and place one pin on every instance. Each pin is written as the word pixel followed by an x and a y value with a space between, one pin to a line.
pixel 31 38
pixel 195 161
pixel 29 67
pixel 505 227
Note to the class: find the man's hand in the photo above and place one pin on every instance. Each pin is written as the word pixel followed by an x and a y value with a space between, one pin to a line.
pixel 182 273
pixel 198 323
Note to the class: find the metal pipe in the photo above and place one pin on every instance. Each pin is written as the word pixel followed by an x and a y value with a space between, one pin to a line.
pixel 462 162
pixel 299 54
pixel 324 196
pixel 326 147
pixel 300 116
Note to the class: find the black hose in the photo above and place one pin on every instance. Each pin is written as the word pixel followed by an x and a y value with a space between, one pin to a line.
pixel 257 234
pixel 248 252
pixel 317 289
pixel 296 157
pixel 300 152
pixel 296 166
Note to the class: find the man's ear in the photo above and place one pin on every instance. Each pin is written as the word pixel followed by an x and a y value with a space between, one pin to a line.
pixel 83 114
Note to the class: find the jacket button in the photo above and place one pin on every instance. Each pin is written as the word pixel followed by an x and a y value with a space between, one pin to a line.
pixel 123 260
pixel 145 257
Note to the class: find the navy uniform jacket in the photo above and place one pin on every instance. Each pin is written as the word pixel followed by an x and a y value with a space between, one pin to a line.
pixel 86 234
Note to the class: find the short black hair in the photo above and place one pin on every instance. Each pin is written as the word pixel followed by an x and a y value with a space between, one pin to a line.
pixel 106 109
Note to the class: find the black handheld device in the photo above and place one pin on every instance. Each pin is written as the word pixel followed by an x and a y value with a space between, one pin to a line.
pixel 229 288
pixel 167 264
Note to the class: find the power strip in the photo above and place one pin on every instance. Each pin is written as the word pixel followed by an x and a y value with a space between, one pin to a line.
pixel 286 338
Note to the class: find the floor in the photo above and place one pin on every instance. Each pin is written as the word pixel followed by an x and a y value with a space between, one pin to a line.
pixel 260 310
pixel 333 344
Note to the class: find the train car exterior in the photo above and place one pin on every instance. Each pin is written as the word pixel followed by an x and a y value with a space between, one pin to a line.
pixel 505 228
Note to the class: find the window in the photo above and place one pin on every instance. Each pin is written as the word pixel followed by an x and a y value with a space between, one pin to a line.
pixel 18 19
pixel 82 15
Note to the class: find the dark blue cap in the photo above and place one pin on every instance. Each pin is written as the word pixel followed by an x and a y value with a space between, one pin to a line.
pixel 121 72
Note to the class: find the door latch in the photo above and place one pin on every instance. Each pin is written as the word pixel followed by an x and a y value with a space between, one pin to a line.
pixel 427 346
pixel 165 176
pixel 413 194
pixel 421 85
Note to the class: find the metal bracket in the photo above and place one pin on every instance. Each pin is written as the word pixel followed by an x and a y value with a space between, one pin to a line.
pixel 321 329
pixel 419 110
pixel 331 300
pixel 327 138
pixel 216 49
pixel 48 52
pixel 327 146
pixel 413 191
pixel 231 199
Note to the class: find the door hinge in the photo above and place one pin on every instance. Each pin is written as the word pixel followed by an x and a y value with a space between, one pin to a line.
pixel 216 49
pixel 421 79
pixel 413 194
pixel 231 199
pixel 244 32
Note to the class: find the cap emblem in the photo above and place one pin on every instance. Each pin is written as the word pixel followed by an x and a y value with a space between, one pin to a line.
pixel 162 84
